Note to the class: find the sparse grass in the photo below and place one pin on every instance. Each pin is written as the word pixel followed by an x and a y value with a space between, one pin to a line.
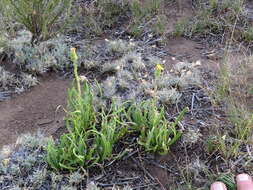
pixel 218 18
pixel 147 14
pixel 237 101
pixel 102 15
pixel 180 27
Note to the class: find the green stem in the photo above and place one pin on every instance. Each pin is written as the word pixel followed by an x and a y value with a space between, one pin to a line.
pixel 77 79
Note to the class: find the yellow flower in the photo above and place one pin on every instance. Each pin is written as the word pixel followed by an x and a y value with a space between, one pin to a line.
pixel 159 67
pixel 73 55
pixel 6 161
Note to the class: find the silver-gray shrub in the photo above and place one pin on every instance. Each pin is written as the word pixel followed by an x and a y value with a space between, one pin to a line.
pixel 50 55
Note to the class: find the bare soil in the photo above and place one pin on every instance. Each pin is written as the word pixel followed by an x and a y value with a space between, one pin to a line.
pixel 38 109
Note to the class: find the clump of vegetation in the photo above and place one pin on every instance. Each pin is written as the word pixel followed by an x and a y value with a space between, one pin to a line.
pixel 38 59
pixel 233 19
pixel 93 135
pixel 119 46
pixel 40 17
pixel 156 133
pixel 101 15
pixel 6 78
pixel 30 61
pixel 237 98
pixel 134 76
pixel 16 82
pixel 26 166
pixel 146 14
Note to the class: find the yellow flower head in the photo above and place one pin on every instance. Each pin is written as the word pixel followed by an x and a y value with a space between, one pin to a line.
pixel 73 55
pixel 6 161
pixel 159 67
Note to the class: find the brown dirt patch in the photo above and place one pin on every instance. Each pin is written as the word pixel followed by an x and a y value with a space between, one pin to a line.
pixel 185 49
pixel 34 110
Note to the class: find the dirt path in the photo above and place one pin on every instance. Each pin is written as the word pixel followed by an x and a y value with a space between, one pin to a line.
pixel 36 109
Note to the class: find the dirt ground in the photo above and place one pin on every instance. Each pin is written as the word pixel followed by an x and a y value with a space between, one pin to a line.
pixel 33 110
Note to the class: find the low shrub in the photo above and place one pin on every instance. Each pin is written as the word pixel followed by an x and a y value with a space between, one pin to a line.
pixel 40 17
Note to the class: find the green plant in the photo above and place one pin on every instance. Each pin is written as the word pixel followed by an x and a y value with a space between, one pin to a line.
pixel 143 11
pixel 158 71
pixel 247 35
pixel 41 17
pixel 103 14
pixel 110 10
pixel 85 144
pixel 231 19
pixel 112 130
pixel 213 4
pixel 236 98
pixel 156 133
pixel 159 26
pixel 180 28
pixel 74 151
pixel 228 180
pixel 92 135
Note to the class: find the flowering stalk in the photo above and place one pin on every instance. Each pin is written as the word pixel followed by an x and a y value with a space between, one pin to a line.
pixel 158 70
pixel 74 58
